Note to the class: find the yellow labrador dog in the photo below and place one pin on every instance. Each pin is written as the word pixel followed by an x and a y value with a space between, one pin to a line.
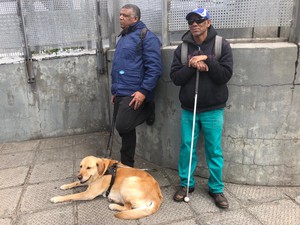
pixel 134 192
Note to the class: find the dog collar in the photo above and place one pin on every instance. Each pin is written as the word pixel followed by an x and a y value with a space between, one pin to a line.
pixel 112 170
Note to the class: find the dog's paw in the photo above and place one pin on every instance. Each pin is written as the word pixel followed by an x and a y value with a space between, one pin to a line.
pixel 112 206
pixel 56 199
pixel 116 207
pixel 64 187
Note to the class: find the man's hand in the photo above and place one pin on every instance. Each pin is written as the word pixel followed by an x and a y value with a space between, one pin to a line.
pixel 198 62
pixel 202 66
pixel 113 98
pixel 138 99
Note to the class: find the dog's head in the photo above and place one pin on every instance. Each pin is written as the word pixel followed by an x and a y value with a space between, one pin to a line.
pixel 88 169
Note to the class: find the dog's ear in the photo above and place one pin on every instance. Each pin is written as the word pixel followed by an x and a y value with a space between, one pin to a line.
pixel 102 165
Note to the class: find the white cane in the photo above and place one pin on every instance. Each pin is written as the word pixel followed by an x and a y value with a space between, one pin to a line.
pixel 186 198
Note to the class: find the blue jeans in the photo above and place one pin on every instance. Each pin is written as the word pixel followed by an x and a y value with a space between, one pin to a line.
pixel 211 123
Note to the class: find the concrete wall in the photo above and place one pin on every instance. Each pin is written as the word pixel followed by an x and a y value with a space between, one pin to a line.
pixel 67 98
pixel 262 128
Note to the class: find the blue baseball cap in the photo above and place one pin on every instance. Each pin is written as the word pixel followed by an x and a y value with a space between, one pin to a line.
pixel 199 12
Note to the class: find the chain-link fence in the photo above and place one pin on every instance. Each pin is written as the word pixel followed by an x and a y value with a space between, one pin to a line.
pixel 37 25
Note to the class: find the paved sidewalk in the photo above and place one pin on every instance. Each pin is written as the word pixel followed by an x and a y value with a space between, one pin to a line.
pixel 31 172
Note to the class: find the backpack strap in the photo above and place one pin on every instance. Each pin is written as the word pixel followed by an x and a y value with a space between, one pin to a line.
pixel 142 37
pixel 143 33
pixel 218 49
pixel 184 52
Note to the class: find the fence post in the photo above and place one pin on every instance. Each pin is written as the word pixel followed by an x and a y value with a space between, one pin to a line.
pixel 295 29
pixel 115 5
pixel 27 52
pixel 165 38
pixel 99 50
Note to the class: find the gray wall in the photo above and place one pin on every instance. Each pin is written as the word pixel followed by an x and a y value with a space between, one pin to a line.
pixel 262 127
pixel 68 98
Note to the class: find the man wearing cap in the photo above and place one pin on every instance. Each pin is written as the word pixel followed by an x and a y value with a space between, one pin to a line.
pixel 136 69
pixel 214 73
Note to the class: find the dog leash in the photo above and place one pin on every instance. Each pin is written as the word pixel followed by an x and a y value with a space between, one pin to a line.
pixel 113 172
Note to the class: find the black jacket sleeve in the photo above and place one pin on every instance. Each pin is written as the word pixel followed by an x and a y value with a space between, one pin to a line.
pixel 180 74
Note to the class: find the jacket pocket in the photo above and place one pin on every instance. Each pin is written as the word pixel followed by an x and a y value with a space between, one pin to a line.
pixel 131 77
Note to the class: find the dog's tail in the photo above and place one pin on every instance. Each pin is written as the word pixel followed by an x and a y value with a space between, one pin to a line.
pixel 138 213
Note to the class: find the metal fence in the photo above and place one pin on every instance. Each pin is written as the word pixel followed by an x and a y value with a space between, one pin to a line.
pixel 32 26
pixel 235 13
pixel 46 24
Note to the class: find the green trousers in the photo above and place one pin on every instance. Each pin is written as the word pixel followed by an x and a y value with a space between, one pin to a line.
pixel 211 124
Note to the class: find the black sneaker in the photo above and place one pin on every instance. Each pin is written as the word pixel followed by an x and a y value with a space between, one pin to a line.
pixel 151 118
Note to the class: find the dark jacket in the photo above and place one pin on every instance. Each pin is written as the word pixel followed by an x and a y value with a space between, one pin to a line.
pixel 136 64
pixel 212 91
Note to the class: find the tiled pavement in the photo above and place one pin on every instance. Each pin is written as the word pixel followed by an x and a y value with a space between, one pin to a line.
pixel 31 172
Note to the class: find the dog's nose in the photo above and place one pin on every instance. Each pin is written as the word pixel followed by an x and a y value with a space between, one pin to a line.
pixel 79 177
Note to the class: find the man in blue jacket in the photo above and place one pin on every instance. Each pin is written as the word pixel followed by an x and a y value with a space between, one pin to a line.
pixel 214 73
pixel 136 69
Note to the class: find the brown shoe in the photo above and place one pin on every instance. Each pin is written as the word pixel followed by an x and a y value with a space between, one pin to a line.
pixel 220 200
pixel 180 194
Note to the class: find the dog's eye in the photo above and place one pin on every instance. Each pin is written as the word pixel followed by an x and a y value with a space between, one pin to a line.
pixel 80 166
pixel 88 168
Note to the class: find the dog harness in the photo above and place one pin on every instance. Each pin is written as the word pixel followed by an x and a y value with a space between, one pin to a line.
pixel 112 170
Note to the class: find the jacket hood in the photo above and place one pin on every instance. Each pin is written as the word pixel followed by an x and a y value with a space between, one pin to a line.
pixel 188 37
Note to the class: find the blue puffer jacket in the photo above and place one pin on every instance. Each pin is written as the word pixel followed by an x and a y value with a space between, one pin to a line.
pixel 136 66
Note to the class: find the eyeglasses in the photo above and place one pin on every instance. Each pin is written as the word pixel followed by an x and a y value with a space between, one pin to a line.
pixel 198 21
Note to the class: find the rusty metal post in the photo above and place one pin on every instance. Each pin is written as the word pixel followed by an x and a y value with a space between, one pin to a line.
pixel 27 52
pixel 99 50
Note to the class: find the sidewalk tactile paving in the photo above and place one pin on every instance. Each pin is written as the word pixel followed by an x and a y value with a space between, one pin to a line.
pixel 13 176
pixel 200 202
pixel 297 199
pixel 169 210
pixel 9 200
pixel 96 212
pixel 185 222
pixel 5 221
pixel 16 159
pixel 37 196
pixel 60 216
pixel 173 176
pixel 20 146
pixel 237 217
pixel 99 138
pixel 52 171
pixel 292 192
pixel 48 155
pixel 32 172
pixel 86 149
pixel 160 177
pixel 282 212
pixel 249 195
pixel 56 143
